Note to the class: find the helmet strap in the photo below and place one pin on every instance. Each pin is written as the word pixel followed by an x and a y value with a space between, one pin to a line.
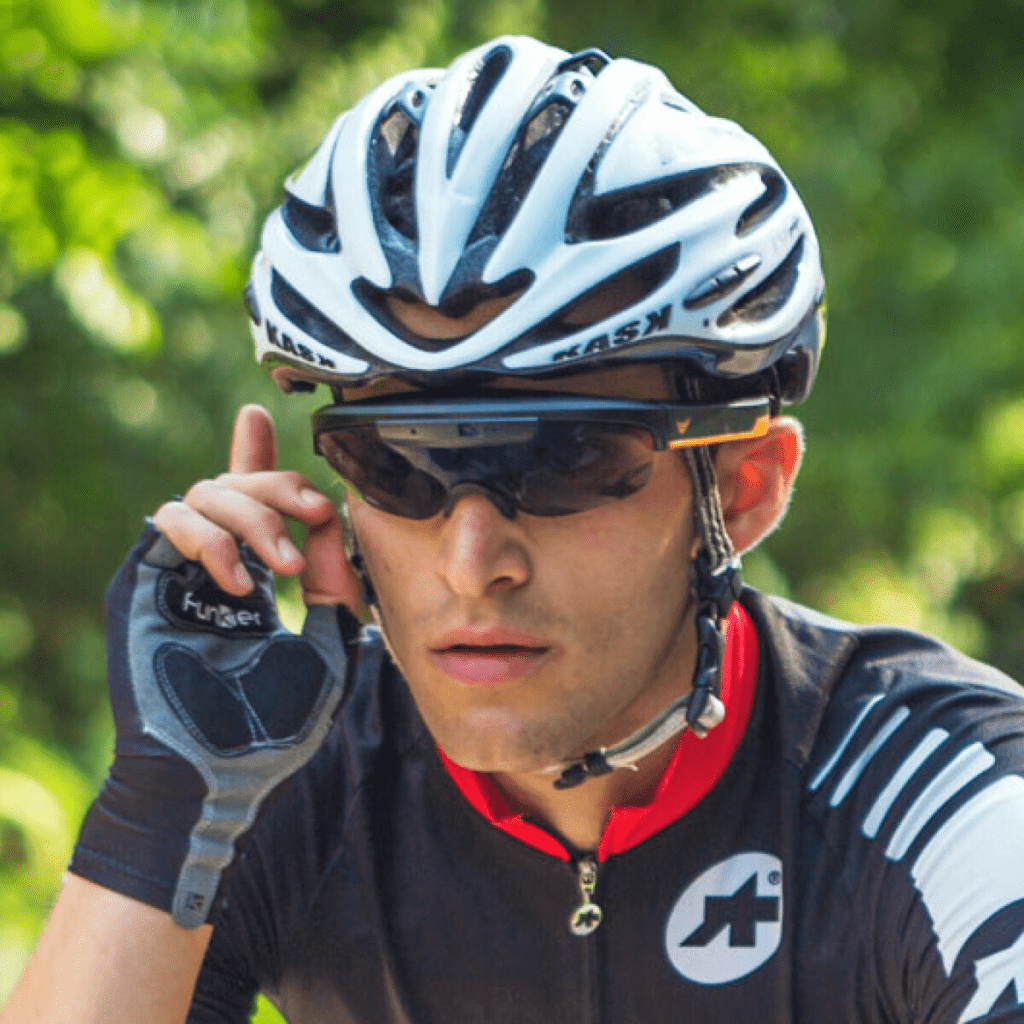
pixel 716 585
pixel 366 591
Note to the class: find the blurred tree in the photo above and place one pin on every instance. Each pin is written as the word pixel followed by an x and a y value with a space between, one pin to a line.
pixel 900 123
pixel 142 142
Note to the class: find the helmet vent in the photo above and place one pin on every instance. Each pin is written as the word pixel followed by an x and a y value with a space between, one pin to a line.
pixel 313 227
pixel 609 298
pixel 436 328
pixel 394 130
pixel 680 103
pixel 523 163
pixel 766 204
pixel 574 228
pixel 393 161
pixel 251 305
pixel 308 318
pixel 488 73
pixel 769 296
pixel 593 59
pixel 627 210
pixel 397 203
pixel 722 284
pixel 545 123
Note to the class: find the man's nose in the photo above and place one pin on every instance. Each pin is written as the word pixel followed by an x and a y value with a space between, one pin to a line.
pixel 503 502
pixel 482 547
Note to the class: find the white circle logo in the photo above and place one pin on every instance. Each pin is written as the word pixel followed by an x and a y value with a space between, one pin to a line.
pixel 728 921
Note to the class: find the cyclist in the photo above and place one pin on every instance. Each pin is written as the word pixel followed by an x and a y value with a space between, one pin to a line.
pixel 572 772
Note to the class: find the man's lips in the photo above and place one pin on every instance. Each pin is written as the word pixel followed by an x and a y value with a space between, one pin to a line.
pixel 488 656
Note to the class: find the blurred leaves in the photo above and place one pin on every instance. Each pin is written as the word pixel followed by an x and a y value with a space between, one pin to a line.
pixel 42 800
pixel 142 143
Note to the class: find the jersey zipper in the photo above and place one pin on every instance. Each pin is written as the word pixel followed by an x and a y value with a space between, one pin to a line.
pixel 584 920
pixel 587 916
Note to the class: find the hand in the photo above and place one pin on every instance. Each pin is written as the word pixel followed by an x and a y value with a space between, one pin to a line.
pixel 250 503
pixel 214 702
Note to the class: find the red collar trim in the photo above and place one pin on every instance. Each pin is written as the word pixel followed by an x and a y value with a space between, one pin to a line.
pixel 695 767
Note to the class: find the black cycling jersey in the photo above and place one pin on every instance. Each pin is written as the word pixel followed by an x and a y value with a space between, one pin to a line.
pixel 860 860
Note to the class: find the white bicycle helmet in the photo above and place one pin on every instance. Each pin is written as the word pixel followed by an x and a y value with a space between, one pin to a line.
pixel 503 197
pixel 532 212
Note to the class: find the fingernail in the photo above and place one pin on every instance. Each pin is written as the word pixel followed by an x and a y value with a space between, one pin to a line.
pixel 308 497
pixel 287 549
pixel 243 577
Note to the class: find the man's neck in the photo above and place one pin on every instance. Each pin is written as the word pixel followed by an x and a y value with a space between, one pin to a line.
pixel 579 815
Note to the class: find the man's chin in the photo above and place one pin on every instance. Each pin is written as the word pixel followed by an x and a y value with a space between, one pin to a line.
pixel 502 738
pixel 503 756
pixel 499 763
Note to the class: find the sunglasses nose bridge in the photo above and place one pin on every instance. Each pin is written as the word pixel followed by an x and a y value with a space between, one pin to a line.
pixel 503 502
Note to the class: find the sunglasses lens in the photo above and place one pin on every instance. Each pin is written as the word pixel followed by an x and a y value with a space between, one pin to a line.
pixel 573 467
pixel 381 473
pixel 567 467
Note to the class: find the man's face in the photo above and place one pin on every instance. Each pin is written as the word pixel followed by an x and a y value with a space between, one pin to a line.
pixel 529 641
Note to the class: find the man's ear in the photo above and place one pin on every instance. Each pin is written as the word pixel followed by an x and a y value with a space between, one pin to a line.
pixel 755 479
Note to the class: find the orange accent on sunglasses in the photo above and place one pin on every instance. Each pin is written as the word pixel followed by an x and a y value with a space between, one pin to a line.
pixel 759 429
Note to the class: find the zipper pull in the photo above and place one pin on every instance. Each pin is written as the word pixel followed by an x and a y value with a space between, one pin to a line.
pixel 586 918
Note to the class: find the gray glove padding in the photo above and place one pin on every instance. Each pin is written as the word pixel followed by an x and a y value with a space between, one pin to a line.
pixel 214 704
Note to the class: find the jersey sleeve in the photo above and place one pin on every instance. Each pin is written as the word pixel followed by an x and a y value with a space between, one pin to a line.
pixel 920 792
pixel 970 877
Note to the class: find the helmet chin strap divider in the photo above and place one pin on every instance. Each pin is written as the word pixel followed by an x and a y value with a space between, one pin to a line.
pixel 716 585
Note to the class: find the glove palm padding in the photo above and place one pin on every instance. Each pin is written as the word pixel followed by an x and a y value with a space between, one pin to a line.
pixel 215 704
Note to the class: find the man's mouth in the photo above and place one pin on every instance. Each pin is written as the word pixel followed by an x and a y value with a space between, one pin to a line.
pixel 489 658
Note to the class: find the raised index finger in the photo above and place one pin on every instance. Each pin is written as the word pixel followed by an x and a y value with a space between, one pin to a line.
pixel 253 445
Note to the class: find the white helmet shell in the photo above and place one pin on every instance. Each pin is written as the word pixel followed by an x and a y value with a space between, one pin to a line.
pixel 530 212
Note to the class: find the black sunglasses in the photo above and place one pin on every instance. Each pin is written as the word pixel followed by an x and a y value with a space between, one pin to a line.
pixel 545 455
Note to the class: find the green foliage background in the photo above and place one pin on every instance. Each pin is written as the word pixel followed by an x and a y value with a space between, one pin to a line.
pixel 142 143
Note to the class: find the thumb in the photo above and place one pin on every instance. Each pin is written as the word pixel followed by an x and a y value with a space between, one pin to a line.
pixel 328 578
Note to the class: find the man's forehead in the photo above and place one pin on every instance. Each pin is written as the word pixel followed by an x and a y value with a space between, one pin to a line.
pixel 639 381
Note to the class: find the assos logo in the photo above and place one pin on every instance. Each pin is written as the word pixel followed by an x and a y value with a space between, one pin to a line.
pixel 728 921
